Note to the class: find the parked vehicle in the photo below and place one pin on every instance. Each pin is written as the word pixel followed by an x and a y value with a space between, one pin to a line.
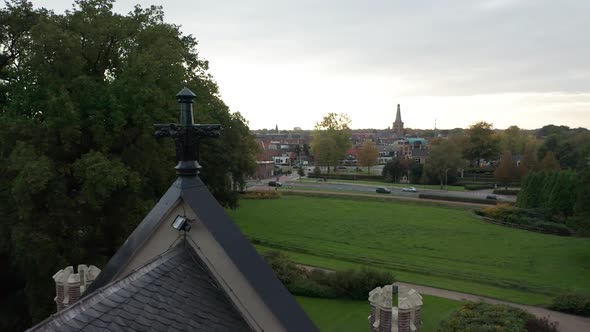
pixel 275 184
pixel 382 190
pixel 410 189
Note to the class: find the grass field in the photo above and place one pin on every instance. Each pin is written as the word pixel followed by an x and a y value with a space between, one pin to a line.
pixel 351 316
pixel 437 246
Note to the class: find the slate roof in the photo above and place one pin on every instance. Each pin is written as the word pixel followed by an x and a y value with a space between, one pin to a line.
pixel 174 292
pixel 194 192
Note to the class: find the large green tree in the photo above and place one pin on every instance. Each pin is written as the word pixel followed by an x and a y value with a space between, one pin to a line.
pixel 331 139
pixel 507 172
pixel 482 143
pixel 444 157
pixel 79 166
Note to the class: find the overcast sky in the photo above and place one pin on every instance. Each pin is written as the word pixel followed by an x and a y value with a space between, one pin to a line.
pixel 509 62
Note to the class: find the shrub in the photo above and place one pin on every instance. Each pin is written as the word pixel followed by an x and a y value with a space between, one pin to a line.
pixel 478 186
pixel 577 304
pixel 284 268
pixel 458 199
pixel 311 288
pixel 261 194
pixel 511 192
pixel 483 317
pixel 356 284
pixel 579 225
pixel 540 325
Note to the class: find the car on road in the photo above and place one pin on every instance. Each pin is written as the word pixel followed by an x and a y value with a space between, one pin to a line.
pixel 275 184
pixel 382 190
pixel 410 189
pixel 494 197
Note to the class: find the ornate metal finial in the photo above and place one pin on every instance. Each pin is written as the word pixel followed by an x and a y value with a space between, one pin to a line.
pixel 187 134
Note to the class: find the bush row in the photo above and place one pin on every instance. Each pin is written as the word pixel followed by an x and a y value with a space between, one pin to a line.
pixel 261 194
pixel 535 218
pixel 483 317
pixel 337 176
pixel 512 192
pixel 577 304
pixel 458 199
pixel 478 186
pixel 350 284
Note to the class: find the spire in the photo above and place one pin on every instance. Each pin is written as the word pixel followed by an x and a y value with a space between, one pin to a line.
pixel 187 134
pixel 398 125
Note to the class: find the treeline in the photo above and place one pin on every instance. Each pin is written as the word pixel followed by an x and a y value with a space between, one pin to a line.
pixel 565 194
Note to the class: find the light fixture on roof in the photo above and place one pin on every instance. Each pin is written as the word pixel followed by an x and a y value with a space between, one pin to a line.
pixel 181 223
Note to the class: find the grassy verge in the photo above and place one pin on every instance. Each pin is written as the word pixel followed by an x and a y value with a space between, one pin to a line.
pixel 437 246
pixel 343 316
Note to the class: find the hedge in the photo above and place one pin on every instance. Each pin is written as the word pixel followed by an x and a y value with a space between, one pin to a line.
pixel 512 192
pixel 458 199
pixel 577 304
pixel 261 194
pixel 337 176
pixel 478 186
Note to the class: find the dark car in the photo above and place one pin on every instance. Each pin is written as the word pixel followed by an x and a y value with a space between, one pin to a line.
pixel 275 184
pixel 382 190
pixel 494 197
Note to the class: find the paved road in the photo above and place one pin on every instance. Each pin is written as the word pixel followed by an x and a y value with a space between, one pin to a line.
pixel 567 323
pixel 366 188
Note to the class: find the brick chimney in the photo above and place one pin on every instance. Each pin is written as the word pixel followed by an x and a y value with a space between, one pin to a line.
pixel 69 286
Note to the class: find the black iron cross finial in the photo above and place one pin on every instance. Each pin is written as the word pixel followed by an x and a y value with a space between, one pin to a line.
pixel 187 134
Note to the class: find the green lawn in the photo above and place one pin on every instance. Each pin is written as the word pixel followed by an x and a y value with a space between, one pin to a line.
pixel 438 246
pixel 344 316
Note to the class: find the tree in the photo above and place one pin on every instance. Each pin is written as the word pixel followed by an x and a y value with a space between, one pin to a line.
pixel 331 139
pixel 507 172
pixel 368 155
pixel 513 139
pixel 395 169
pixel 444 157
pixel 482 143
pixel 550 163
pixel 528 161
pixel 79 166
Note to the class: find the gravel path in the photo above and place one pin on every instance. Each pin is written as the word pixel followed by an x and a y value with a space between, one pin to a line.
pixel 567 323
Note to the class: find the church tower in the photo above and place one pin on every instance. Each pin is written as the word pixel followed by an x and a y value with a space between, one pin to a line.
pixel 398 125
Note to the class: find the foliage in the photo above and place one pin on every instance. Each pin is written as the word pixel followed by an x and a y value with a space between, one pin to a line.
pixel 79 94
pixel 475 200
pixel 300 171
pixel 395 169
pixel 577 304
pixel 570 146
pixel 550 163
pixel 416 171
pixel 368 155
pixel 539 219
pixel 507 172
pixel 344 176
pixel 496 261
pixel 482 142
pixel 556 190
pixel 483 317
pixel 285 269
pixel 513 140
pixel 528 161
pixel 508 192
pixel 540 325
pixel 444 158
pixel 350 284
pixel 261 194
pixel 331 139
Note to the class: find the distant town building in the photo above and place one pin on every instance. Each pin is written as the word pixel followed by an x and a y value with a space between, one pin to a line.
pixel 398 125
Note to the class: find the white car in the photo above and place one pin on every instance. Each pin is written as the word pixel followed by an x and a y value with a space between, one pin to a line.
pixel 410 189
